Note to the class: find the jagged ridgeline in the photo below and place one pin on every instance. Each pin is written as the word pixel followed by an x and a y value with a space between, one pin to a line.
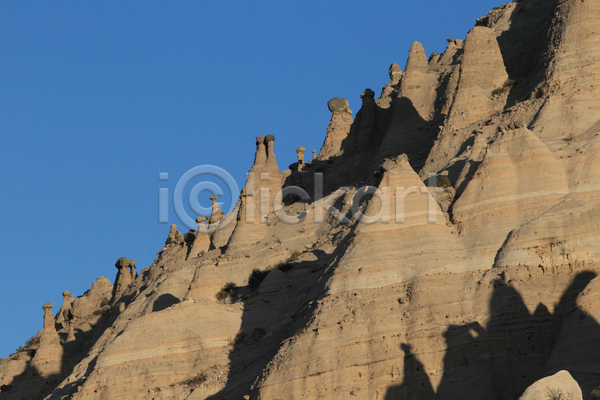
pixel 469 273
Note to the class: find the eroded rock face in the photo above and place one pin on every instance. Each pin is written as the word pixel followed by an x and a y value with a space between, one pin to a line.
pixel 125 268
pixel 174 237
pixel 253 214
pixel 338 129
pixel 201 239
pixel 64 313
pixel 482 71
pixel 48 356
pixel 466 268
pixel 216 214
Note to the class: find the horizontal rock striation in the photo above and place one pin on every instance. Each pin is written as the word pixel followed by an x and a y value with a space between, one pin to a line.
pixel 450 250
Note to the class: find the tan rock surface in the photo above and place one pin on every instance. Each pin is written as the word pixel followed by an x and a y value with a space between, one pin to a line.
pixel 481 72
pixel 338 128
pixel 476 289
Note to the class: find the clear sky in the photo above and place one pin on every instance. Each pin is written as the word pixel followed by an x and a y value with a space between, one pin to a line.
pixel 98 98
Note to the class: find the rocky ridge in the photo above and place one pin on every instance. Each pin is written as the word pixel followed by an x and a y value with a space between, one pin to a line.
pixel 466 268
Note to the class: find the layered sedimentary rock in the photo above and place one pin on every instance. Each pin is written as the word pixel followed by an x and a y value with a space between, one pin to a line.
pixel 449 249
pixel 201 241
pixel 65 310
pixel 48 357
pixel 124 277
pixel 390 90
pixel 256 200
pixel 567 73
pixel 481 72
pixel 338 129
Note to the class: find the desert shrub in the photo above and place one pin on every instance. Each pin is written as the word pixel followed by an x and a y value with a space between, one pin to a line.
pixel 557 394
pixel 287 265
pixel 257 276
pixel 100 311
pixel 227 290
pixel 221 295
pixel 197 380
pixel 505 87
pixel 239 339
pixel 244 339
pixel 257 334
pixel 105 302
pixel 31 342
pixel 443 181
pixel 570 138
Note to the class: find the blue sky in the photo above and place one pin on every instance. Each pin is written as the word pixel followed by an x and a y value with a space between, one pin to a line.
pixel 97 98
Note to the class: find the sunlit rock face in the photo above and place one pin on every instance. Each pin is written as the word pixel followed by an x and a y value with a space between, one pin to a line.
pixel 447 247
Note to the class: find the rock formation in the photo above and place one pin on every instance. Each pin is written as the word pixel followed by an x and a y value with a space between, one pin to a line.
pixel 338 129
pixel 216 214
pixel 124 277
pixel 300 150
pixel 64 314
pixel 174 237
pixel 201 242
pixel 558 386
pixel 452 253
pixel 48 356
pixel 175 245
pixel 256 200
pixel 189 238
pixel 390 91
pixel 48 317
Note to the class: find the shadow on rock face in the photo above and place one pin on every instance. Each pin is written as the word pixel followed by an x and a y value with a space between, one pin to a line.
pixel 254 347
pixel 501 360
pixel 164 301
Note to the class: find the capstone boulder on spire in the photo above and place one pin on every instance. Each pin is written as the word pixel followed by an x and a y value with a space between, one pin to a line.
pixel 48 357
pixel 395 73
pixel 338 129
pixel 123 278
pixel 339 104
pixel 300 150
pixel 48 316
pixel 216 214
pixel 64 314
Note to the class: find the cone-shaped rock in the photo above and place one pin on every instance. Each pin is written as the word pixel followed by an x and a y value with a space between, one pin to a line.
pixel 256 199
pixel 482 74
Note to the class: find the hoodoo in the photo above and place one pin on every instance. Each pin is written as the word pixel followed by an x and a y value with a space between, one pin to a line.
pixel 338 129
pixel 48 356
pixel 256 200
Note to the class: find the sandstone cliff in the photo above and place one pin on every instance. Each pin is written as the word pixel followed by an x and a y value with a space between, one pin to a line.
pixel 454 254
